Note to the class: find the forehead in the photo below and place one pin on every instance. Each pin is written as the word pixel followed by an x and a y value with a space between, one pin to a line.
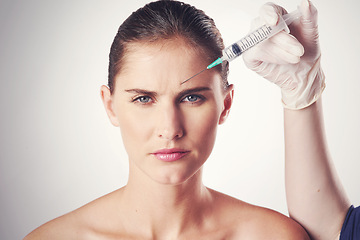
pixel 162 46
pixel 149 64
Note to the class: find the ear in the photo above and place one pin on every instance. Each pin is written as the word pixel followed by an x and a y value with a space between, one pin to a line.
pixel 108 104
pixel 228 99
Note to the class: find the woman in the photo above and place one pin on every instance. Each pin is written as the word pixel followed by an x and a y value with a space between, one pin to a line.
pixel 168 130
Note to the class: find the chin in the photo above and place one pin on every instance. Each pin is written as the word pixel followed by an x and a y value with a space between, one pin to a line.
pixel 175 178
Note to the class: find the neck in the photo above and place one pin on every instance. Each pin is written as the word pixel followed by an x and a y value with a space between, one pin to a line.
pixel 166 210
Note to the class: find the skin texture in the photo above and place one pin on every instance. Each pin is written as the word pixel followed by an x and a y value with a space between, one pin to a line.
pixel 315 195
pixel 167 200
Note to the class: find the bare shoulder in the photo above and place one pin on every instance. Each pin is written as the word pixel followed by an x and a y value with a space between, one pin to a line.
pixel 269 224
pixel 253 222
pixel 78 224
pixel 64 227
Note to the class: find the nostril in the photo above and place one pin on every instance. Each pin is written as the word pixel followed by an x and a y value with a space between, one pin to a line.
pixel 168 135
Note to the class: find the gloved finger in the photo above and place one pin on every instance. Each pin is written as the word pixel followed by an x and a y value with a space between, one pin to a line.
pixel 269 53
pixel 282 48
pixel 281 55
pixel 288 43
pixel 270 13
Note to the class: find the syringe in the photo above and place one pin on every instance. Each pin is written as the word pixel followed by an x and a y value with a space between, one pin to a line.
pixel 262 33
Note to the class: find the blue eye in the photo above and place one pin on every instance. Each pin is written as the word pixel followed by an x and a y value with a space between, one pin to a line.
pixel 143 99
pixel 192 98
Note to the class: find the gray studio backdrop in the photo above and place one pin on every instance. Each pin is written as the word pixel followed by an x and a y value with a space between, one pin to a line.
pixel 58 150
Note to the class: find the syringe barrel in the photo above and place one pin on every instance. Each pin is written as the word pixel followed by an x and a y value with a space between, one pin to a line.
pixel 252 39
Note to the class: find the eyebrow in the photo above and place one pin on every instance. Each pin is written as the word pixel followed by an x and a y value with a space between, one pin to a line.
pixel 141 91
pixel 152 93
pixel 192 90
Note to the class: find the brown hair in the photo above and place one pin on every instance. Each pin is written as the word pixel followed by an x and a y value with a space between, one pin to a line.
pixel 166 19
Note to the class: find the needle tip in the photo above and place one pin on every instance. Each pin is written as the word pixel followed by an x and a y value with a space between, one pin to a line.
pixel 192 77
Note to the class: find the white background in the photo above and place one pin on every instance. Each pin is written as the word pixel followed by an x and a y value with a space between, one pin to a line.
pixel 58 150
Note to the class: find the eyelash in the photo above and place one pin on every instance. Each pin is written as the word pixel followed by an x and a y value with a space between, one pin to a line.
pixel 198 99
pixel 139 98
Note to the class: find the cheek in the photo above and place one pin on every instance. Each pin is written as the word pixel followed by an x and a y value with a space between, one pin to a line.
pixel 202 127
pixel 135 129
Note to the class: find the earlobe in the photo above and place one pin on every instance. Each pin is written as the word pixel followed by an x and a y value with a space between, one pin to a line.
pixel 108 104
pixel 228 99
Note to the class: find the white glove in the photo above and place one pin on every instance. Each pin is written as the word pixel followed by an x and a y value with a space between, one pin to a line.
pixel 291 61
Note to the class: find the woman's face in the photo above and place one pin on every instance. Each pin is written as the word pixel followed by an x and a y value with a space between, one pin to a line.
pixel 168 129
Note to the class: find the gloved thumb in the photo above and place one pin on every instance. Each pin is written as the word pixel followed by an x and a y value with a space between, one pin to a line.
pixel 309 35
pixel 270 12
pixel 309 14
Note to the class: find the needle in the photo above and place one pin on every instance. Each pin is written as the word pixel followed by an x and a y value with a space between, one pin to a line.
pixel 213 64
pixel 193 76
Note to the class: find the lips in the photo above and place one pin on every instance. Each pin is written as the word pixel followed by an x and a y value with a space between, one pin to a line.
pixel 170 155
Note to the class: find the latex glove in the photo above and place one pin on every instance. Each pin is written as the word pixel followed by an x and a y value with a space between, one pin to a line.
pixel 291 61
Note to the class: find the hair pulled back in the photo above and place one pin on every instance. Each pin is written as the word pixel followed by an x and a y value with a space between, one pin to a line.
pixel 166 19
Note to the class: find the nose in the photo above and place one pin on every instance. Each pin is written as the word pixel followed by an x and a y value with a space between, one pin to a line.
pixel 170 125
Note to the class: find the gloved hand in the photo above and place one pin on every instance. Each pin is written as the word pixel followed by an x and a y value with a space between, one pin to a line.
pixel 291 61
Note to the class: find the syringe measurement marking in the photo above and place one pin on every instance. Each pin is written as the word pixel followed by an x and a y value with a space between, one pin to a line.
pixel 249 41
pixel 252 41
